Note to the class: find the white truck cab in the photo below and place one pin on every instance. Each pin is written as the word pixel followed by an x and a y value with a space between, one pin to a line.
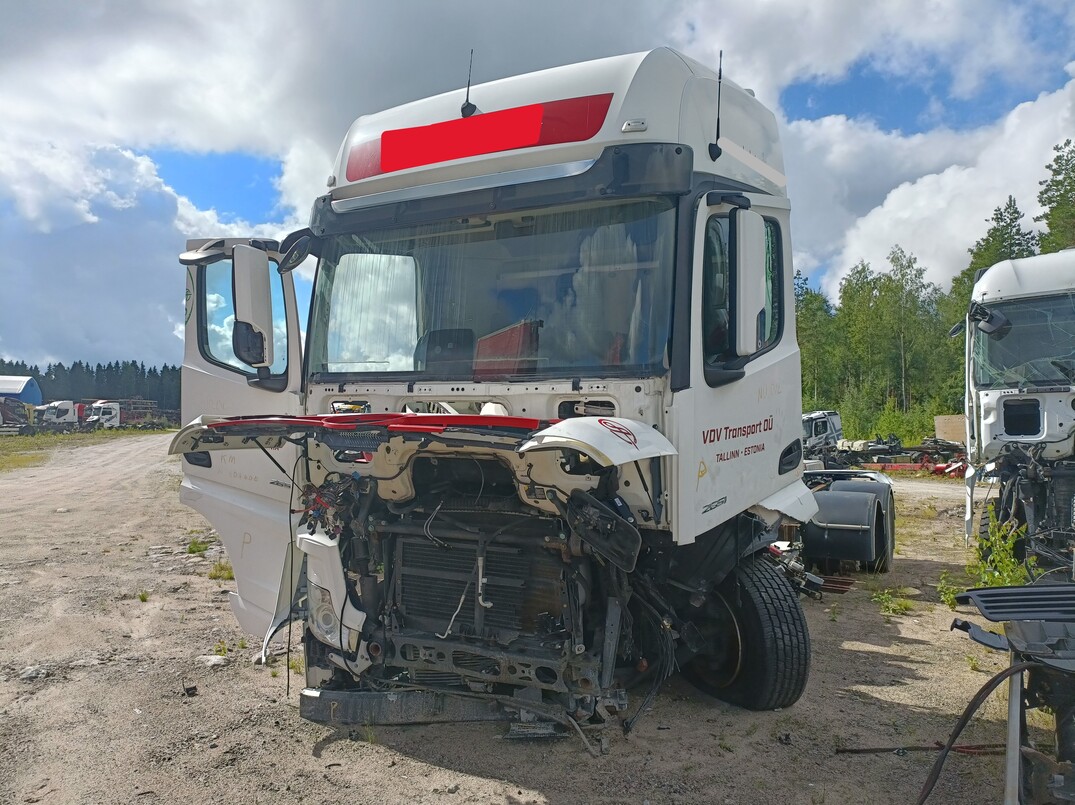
pixel 821 429
pixel 1020 400
pixel 547 420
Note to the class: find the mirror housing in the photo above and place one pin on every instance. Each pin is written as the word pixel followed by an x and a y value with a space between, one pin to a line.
pixel 252 336
pixel 991 322
pixel 747 245
pixel 297 247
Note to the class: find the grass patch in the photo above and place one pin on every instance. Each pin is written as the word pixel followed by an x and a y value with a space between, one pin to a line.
pixel 20 452
pixel 996 564
pixel 143 595
pixel 197 545
pixel 220 649
pixel 947 591
pixel 221 571
pixel 891 603
pixel 296 665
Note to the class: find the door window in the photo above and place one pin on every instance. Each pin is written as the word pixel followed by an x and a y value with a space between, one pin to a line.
pixel 717 309
pixel 217 318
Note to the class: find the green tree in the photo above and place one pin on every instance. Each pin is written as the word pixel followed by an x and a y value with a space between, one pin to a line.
pixel 1006 239
pixel 816 328
pixel 1057 196
pixel 858 352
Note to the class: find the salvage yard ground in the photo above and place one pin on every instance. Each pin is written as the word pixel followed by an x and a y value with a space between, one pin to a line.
pixel 124 678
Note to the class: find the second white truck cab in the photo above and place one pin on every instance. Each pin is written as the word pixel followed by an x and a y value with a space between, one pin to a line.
pixel 1020 399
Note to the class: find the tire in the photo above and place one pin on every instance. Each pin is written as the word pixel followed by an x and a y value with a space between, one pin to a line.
pixel 1003 514
pixel 988 509
pixel 756 618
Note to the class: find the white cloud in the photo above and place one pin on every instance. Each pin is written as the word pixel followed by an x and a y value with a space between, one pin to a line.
pixel 940 212
pixel 91 231
pixel 769 44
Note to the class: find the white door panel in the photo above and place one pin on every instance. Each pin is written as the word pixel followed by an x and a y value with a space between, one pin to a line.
pixel 730 437
pixel 242 493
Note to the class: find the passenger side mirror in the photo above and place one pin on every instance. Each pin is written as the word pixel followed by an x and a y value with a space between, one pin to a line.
pixel 252 337
pixel 747 244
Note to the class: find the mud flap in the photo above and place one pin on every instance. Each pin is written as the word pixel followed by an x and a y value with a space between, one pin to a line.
pixel 845 527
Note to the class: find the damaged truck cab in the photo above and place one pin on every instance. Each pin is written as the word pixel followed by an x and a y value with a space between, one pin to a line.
pixel 546 424
pixel 1020 396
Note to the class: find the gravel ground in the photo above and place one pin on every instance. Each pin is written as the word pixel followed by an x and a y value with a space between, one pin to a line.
pixel 94 680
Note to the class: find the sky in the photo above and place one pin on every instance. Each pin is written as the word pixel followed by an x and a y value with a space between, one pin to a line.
pixel 129 127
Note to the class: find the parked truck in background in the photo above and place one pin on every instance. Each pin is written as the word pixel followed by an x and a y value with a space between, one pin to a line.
pixel 110 414
pixel 821 429
pixel 61 416
pixel 1020 403
pixel 504 479
pixel 15 416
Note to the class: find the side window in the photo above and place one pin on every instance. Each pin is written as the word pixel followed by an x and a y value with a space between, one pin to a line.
pixel 717 312
pixel 770 328
pixel 217 318
pixel 716 292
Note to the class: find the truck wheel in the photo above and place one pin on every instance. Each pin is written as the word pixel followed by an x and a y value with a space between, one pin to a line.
pixel 758 629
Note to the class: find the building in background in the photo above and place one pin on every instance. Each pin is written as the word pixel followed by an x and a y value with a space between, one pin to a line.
pixel 23 388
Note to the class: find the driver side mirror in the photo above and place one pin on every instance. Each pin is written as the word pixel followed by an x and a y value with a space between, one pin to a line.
pixel 252 337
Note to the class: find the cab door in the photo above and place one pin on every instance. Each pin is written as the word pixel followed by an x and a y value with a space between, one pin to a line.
pixel 739 424
pixel 242 493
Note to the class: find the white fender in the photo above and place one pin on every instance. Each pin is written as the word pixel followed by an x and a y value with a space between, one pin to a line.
pixel 610 441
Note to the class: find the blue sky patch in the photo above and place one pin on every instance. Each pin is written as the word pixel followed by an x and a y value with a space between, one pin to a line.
pixel 237 186
pixel 906 104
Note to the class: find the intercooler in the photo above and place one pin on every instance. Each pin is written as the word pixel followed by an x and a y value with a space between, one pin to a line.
pixel 1060 501
pixel 445 635
pixel 523 593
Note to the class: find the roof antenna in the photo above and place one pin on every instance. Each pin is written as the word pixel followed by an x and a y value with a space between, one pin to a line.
pixel 714 149
pixel 467 109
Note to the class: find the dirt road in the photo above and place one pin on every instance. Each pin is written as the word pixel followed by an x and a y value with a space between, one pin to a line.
pixel 92 679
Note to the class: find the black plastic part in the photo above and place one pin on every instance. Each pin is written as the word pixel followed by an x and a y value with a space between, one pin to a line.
pixel 199 458
pixel 715 198
pixel 600 527
pixel 790 457
pixel 622 171
pixel 1037 602
pixel 979 635
pixel 248 345
pixel 353 708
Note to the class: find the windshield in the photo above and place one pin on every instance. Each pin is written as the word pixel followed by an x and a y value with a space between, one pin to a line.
pixel 559 291
pixel 1034 349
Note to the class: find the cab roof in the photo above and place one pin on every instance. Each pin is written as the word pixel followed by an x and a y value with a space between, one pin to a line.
pixel 1040 275
pixel 564 116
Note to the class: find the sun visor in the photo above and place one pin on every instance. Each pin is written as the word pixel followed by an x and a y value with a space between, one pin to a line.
pixel 610 441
